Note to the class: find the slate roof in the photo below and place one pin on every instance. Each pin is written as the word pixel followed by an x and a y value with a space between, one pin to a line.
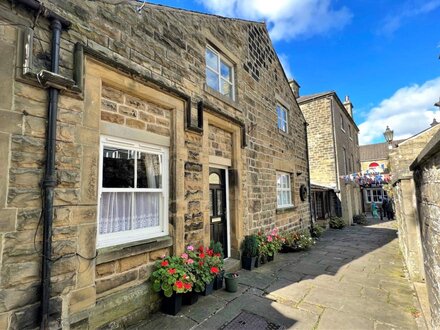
pixel 313 96
pixel 376 151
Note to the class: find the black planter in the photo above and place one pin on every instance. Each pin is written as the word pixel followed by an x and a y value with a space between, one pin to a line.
pixel 190 298
pixel 218 280
pixel 271 258
pixel 257 261
pixel 286 249
pixel 248 262
pixel 208 289
pixel 173 304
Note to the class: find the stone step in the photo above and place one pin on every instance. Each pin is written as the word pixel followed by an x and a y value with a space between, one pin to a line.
pixel 232 265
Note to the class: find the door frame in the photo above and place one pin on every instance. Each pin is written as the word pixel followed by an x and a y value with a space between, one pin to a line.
pixel 228 225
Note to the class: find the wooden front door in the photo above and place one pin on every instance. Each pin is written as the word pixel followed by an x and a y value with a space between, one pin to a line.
pixel 217 203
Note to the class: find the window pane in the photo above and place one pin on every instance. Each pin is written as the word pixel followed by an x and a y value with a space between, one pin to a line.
pixel 278 198
pixel 149 174
pixel 212 79
pixel 226 71
pixel 211 59
pixel 118 168
pixel 147 210
pixel 226 88
pixel 219 203
pixel 278 181
pixel 115 212
pixel 211 203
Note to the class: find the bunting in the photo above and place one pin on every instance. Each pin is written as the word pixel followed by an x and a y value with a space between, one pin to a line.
pixel 367 177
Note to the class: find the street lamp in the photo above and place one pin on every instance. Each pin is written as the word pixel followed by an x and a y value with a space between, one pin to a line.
pixel 388 134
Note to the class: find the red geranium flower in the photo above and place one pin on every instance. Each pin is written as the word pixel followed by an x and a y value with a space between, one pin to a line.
pixel 164 263
pixel 179 284
pixel 201 248
pixel 210 252
pixel 172 271
pixel 214 270
pixel 202 255
pixel 217 255
pixel 187 285
pixel 201 263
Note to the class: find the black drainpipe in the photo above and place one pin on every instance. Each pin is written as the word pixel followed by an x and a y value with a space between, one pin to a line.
pixel 309 186
pixel 49 181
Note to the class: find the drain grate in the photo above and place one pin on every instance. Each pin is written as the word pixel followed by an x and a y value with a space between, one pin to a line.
pixel 246 320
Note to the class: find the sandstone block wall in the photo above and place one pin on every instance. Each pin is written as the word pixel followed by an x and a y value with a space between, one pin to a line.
pixel 163 48
pixel 427 187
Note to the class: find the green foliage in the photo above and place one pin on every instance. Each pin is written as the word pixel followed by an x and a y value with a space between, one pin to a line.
pixel 317 231
pixel 298 241
pixel 360 219
pixel 269 243
pixel 171 275
pixel 217 248
pixel 336 223
pixel 250 246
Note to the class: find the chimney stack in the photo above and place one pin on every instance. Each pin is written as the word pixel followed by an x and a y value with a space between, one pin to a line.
pixel 348 105
pixel 295 87
pixel 434 122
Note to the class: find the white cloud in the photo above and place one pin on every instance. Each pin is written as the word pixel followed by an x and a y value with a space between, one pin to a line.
pixel 408 9
pixel 407 112
pixel 284 59
pixel 286 19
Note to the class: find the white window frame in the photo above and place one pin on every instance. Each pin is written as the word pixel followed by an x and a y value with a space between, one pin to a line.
pixel 111 239
pixel 221 58
pixel 374 197
pixel 281 120
pixel 287 189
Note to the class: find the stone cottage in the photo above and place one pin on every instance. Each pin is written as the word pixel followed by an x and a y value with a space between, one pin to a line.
pixel 333 150
pixel 166 127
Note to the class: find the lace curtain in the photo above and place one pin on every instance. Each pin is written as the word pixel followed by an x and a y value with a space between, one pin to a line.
pixel 121 211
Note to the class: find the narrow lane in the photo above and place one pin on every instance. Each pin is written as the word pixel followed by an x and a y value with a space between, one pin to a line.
pixel 352 279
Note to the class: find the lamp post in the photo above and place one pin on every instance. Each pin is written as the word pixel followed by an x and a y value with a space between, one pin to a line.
pixel 388 134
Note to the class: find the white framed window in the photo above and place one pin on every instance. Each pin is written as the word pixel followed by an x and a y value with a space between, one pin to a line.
pixel 375 195
pixel 219 73
pixel 282 118
pixel 133 192
pixel 284 191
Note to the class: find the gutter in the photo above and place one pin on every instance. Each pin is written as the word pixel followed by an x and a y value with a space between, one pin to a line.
pixel 309 186
pixel 54 81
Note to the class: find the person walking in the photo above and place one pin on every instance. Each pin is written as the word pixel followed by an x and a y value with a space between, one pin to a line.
pixel 385 207
pixel 374 210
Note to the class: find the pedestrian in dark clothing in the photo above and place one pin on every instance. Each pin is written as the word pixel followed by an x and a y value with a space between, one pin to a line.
pixel 390 209
pixel 385 207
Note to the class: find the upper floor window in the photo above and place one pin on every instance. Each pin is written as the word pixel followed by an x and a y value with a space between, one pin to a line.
pixel 133 199
pixel 282 118
pixel 342 123
pixel 349 131
pixel 284 191
pixel 219 73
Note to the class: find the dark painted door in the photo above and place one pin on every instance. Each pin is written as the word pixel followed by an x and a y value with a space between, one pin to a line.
pixel 217 199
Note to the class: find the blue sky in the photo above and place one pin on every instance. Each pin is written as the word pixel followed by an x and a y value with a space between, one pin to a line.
pixel 383 54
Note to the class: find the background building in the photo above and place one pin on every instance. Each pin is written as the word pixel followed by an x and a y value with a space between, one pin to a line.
pixel 333 148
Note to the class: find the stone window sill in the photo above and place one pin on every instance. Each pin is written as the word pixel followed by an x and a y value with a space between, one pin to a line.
pixel 233 103
pixel 286 209
pixel 133 248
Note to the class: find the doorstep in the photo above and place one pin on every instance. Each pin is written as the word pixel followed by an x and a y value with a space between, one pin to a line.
pixel 232 265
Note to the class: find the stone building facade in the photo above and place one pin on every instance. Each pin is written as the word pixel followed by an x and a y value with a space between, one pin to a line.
pixel 141 124
pixel 333 149
pixel 426 169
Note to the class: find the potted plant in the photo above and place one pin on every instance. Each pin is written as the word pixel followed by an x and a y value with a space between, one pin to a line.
pixel 274 243
pixel 172 279
pixel 231 281
pixel 216 250
pixel 250 250
pixel 204 268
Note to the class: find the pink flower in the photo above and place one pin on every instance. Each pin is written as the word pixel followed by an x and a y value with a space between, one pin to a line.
pixel 190 261
pixel 184 256
pixel 269 238
pixel 190 248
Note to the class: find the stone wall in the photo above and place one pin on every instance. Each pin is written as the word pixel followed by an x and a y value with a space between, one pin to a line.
pixel 427 186
pixel 405 200
pixel 160 56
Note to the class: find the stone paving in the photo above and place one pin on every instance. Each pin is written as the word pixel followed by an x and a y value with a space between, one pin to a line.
pixel 352 279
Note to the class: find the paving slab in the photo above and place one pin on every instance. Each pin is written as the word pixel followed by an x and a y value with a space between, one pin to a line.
pixel 351 279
